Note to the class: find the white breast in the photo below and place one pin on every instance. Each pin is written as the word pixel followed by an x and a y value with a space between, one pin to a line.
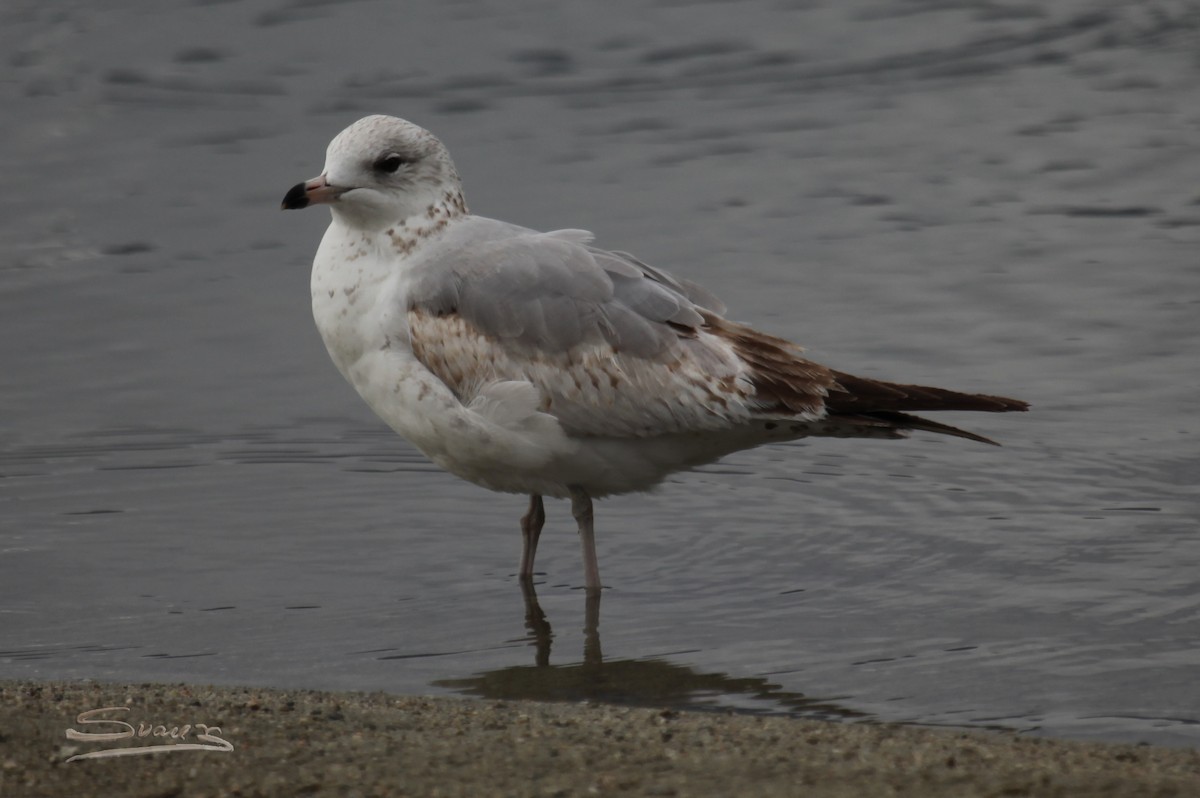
pixel 500 441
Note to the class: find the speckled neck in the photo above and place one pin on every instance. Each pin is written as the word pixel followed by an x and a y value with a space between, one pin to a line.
pixel 407 234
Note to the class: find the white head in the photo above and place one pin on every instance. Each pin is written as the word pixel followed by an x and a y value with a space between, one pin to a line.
pixel 380 171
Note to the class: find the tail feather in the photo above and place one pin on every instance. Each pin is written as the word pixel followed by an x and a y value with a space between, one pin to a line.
pixel 874 403
pixel 860 395
pixel 787 384
pixel 903 421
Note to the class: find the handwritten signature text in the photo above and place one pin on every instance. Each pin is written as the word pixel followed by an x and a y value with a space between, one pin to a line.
pixel 171 738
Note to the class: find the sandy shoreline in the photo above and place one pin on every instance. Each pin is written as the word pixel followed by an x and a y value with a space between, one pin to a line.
pixel 315 743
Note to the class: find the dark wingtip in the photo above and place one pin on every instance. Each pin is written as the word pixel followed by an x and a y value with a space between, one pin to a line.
pixel 295 199
pixel 1001 404
pixel 907 421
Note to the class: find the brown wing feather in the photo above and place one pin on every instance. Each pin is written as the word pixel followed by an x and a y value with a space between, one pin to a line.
pixel 903 421
pixel 878 402
pixel 594 388
pixel 786 382
pixel 859 394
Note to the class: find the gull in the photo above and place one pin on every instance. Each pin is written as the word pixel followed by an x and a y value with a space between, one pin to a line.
pixel 537 363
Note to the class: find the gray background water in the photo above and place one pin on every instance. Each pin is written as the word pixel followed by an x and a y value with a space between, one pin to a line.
pixel 995 196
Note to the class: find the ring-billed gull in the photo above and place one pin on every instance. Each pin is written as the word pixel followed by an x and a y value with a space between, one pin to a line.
pixel 536 363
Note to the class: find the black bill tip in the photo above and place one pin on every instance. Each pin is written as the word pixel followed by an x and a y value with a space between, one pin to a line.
pixel 296 198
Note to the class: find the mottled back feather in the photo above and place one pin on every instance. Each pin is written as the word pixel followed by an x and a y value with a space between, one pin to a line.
pixel 618 348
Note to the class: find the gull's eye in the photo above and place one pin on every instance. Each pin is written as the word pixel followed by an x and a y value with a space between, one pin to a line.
pixel 389 163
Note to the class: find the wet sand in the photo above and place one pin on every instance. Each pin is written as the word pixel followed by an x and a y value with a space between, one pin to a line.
pixel 289 742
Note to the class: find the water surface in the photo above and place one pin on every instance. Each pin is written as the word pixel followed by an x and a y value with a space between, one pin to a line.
pixel 989 197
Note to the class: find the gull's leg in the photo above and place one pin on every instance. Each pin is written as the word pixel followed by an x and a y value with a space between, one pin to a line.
pixel 581 508
pixel 531 530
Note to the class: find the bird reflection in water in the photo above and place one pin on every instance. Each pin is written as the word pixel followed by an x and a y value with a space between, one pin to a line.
pixel 651 681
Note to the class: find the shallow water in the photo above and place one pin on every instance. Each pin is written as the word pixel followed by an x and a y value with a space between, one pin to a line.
pixel 998 198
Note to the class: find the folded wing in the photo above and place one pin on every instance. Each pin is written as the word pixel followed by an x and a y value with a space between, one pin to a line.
pixel 617 348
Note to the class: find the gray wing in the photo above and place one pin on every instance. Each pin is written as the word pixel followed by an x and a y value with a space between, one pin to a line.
pixel 549 292
pixel 614 346
pixel 617 348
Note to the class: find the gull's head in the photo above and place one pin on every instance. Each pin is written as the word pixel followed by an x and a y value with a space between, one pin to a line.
pixel 382 170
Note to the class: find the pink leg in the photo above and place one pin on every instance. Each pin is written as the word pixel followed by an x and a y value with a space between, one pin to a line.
pixel 531 530
pixel 581 508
